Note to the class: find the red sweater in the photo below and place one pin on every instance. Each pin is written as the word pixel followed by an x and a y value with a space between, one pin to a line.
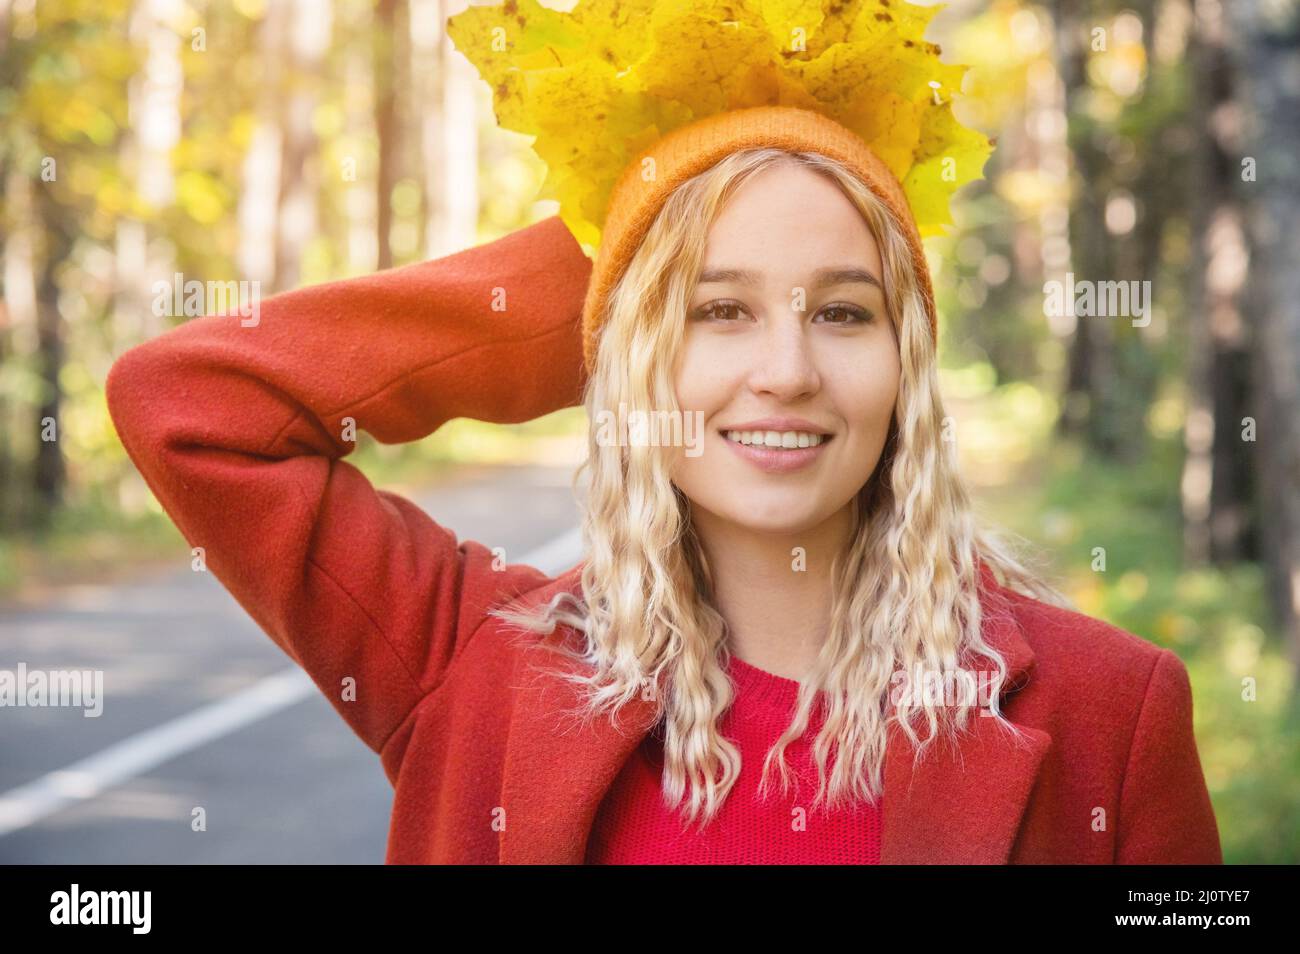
pixel 634 826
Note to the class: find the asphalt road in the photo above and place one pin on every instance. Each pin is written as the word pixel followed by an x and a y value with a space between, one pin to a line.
pixel 284 783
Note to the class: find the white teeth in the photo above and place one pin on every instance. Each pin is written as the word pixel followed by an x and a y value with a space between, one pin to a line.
pixel 780 439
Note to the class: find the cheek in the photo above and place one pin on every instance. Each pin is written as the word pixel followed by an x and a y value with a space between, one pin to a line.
pixel 702 389
pixel 873 402
pixel 700 382
pixel 866 401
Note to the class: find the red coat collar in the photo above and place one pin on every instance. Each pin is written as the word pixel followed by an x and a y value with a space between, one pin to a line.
pixel 960 805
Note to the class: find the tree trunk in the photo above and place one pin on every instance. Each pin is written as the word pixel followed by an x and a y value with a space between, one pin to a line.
pixel 384 39
pixel 427 67
pixel 296 220
pixel 1089 369
pixel 259 200
pixel 1216 475
pixel 1270 55
pixel 49 473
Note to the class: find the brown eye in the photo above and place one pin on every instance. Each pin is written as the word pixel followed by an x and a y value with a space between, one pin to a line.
pixel 845 315
pixel 719 310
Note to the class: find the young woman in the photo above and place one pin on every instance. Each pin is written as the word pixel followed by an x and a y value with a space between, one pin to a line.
pixel 737 671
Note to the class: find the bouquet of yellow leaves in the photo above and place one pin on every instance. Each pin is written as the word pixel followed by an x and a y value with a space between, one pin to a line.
pixel 599 84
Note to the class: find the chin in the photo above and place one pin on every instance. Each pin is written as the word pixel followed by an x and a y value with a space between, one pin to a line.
pixel 782 517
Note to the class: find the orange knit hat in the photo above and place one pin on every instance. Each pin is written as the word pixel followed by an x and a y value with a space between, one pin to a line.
pixel 689 150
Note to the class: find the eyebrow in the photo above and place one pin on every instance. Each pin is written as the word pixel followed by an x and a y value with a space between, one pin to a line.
pixel 822 278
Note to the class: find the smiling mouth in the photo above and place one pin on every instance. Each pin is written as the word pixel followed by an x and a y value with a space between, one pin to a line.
pixel 777 440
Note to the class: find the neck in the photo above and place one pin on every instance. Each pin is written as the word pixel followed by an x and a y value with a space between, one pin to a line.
pixel 775 599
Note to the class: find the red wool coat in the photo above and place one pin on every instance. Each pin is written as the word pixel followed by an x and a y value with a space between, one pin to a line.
pixel 240 432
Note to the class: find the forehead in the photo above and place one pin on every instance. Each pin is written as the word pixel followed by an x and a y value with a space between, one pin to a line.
pixel 788 220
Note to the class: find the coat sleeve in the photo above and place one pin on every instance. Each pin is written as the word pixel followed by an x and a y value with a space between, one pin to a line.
pixel 1165 815
pixel 240 425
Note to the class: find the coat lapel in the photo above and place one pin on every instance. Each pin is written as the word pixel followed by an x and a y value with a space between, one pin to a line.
pixel 556 773
pixel 964 807
pixel 961 807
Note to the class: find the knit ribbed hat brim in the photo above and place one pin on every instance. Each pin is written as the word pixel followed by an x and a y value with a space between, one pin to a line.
pixel 691 149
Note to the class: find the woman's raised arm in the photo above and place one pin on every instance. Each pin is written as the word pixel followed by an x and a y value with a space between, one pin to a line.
pixel 240 432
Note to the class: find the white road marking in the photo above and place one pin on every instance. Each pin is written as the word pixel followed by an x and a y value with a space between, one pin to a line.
pixel 27 804
pixel 143 751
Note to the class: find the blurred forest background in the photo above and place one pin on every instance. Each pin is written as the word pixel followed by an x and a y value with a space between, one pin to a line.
pixel 298 141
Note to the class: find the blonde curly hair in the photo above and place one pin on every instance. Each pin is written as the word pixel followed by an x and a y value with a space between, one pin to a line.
pixel 905 590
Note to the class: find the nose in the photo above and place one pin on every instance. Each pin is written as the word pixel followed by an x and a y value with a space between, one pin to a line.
pixel 784 364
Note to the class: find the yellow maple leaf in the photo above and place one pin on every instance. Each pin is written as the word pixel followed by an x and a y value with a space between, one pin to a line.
pixel 598 84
